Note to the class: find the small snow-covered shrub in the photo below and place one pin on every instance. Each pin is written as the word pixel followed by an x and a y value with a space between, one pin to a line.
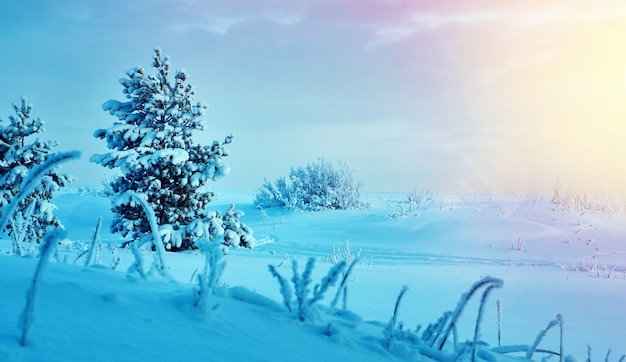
pixel 317 186
pixel 420 199
pixel 411 206
pixel 345 254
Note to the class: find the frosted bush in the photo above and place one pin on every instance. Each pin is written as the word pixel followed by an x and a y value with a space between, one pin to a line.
pixel 317 186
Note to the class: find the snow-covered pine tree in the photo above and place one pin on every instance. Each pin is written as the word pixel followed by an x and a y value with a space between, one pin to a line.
pixel 152 146
pixel 17 157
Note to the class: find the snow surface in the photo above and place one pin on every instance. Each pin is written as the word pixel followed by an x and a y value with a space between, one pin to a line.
pixel 552 261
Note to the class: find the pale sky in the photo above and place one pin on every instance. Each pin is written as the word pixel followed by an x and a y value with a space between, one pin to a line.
pixel 495 97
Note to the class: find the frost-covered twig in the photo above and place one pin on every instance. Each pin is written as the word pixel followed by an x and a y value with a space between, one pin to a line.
pixel 531 350
pixel 479 318
pixel 285 288
pixel 94 240
pixel 499 305
pixel 328 281
pixel 388 331
pixel 213 269
pixel 156 235
pixel 301 285
pixel 47 248
pixel 559 318
pixel 463 302
pixel 433 331
pixel 20 224
pixel 342 286
pixel 481 310
pixel 137 265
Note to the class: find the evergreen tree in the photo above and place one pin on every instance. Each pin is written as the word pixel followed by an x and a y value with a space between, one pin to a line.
pixel 152 146
pixel 17 157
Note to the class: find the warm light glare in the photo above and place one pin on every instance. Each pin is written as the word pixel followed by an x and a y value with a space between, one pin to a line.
pixel 487 96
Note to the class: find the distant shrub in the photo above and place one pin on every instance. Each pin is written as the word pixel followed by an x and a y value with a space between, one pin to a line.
pixel 317 186
pixel 575 202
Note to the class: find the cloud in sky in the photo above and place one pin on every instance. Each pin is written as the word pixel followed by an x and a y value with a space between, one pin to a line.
pixel 489 96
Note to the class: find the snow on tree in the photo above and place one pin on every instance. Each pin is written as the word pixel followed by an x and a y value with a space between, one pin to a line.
pixel 152 146
pixel 35 213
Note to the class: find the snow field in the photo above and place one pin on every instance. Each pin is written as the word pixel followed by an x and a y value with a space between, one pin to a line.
pixel 98 314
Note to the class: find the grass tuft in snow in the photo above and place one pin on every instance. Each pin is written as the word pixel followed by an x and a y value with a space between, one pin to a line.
pixel 213 269
pixel 343 286
pixel 488 282
pixel 301 283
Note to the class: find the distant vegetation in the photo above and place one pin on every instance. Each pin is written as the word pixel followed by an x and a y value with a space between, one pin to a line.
pixel 573 201
pixel 317 186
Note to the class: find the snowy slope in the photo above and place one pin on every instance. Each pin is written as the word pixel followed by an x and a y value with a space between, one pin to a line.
pixel 551 260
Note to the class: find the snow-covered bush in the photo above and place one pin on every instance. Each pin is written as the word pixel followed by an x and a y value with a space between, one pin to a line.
pixel 317 186
pixel 152 146
pixel 34 213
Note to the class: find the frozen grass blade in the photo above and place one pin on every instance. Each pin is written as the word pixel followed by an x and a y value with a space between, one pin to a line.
pixel 531 350
pixel 463 302
pixel 301 284
pixel 342 286
pixel 285 288
pixel 47 248
pixel 499 305
pixel 559 318
pixel 94 242
pixel 156 235
pixel 481 309
pixel 388 332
